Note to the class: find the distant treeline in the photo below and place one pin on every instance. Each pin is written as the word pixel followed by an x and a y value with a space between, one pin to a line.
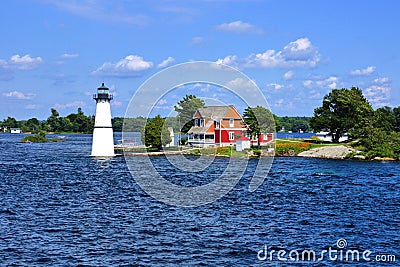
pixel 294 124
pixel 137 124
pixel 81 123
pixel 74 123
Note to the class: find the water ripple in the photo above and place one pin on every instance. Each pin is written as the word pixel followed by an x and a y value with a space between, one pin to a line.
pixel 60 207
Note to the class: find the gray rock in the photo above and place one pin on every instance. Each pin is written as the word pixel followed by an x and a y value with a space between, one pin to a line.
pixel 328 152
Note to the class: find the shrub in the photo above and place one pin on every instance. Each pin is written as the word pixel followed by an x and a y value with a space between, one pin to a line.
pixel 225 150
pixel 37 138
pixel 381 150
pixel 291 148
pixel 257 151
pixel 183 141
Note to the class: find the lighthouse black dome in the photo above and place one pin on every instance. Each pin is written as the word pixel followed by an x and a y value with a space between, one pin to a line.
pixel 102 94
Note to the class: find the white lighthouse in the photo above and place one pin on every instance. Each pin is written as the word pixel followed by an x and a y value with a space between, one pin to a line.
pixel 103 139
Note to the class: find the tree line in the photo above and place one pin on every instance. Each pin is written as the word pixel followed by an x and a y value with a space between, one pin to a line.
pixel 80 123
pixel 74 123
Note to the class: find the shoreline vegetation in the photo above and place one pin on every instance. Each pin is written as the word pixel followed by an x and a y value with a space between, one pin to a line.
pixel 40 138
pixel 308 148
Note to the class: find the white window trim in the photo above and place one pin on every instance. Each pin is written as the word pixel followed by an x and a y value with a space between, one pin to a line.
pixel 231 136
pixel 231 123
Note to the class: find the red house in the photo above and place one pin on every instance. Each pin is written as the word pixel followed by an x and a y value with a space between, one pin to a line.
pixel 220 126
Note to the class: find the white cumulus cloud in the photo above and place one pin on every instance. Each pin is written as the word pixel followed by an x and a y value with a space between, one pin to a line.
pixel 240 83
pixel 275 86
pixel 18 62
pixel 299 53
pixel 165 63
pixel 363 72
pixel 228 60
pixel 279 103
pixel 296 54
pixel 381 80
pixel 330 82
pixel 288 75
pixel 18 95
pixel 307 83
pixel 239 27
pixel 131 65
pixel 378 95
pixel 379 92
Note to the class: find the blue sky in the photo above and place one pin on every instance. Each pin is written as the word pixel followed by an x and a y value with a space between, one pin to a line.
pixel 56 53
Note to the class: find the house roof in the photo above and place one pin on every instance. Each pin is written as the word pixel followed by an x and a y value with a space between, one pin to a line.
pixel 217 113
pixel 211 114
pixel 198 129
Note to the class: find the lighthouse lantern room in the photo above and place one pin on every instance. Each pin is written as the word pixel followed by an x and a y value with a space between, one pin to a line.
pixel 103 139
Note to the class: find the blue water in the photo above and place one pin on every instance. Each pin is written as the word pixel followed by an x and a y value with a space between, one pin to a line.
pixel 60 207
pixel 294 135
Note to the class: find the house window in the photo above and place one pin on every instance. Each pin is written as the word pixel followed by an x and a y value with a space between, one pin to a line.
pixel 216 124
pixel 265 136
pixel 231 123
pixel 196 122
pixel 231 136
pixel 201 122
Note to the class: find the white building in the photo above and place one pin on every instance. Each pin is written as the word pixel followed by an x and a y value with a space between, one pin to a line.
pixel 172 135
pixel 242 143
pixel 327 137
pixel 15 130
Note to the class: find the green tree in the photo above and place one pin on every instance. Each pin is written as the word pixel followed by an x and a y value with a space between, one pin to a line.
pixel 258 120
pixel 342 111
pixel 65 125
pixel 80 123
pixel 278 123
pixel 186 109
pixel 54 121
pixel 380 143
pixel 10 122
pixel 117 123
pixel 155 133
pixel 385 119
pixel 33 125
pixel 294 124
pixel 133 124
pixel 396 112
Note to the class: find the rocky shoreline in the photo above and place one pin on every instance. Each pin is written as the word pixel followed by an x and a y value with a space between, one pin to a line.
pixel 328 152
pixel 338 152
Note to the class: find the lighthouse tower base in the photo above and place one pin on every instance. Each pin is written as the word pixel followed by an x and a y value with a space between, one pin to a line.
pixel 103 142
